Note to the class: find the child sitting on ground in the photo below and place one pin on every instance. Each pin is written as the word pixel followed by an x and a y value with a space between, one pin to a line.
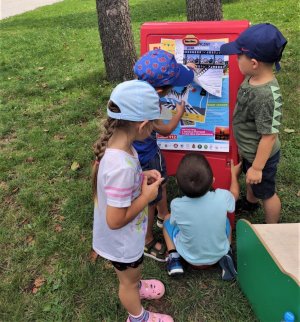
pixel 198 229
pixel 257 115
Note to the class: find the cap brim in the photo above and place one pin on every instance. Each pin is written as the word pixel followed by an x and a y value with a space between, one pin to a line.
pixel 231 48
pixel 186 76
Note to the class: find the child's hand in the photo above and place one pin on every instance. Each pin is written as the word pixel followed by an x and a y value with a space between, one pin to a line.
pixel 180 108
pixel 253 176
pixel 191 66
pixel 149 191
pixel 236 169
pixel 152 175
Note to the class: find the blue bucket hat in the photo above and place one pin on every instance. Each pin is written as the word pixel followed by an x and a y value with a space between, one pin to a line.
pixel 137 100
pixel 263 42
pixel 159 68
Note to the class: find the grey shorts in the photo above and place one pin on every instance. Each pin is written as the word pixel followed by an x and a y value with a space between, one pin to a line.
pixel 157 163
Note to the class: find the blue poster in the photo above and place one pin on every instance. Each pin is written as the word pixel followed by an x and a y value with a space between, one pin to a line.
pixel 205 123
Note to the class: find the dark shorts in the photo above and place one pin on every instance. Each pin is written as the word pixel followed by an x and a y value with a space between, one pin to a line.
pixel 265 189
pixel 157 163
pixel 123 266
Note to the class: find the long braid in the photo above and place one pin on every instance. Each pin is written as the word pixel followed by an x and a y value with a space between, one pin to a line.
pixel 100 146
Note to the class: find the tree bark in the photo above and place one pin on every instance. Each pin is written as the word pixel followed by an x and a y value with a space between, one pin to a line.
pixel 204 10
pixel 116 36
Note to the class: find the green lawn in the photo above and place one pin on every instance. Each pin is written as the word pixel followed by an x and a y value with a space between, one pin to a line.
pixel 53 96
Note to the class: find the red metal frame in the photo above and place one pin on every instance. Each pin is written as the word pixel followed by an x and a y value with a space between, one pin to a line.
pixel 152 32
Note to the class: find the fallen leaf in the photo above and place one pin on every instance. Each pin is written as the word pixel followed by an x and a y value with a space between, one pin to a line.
pixel 46 130
pixel 93 256
pixel 29 160
pixel 41 68
pixel 58 228
pixel 298 193
pixel 3 185
pixel 108 265
pixel 59 218
pixel 37 284
pixel 30 240
pixel 23 222
pixel 44 85
pixel 75 166
pixel 16 190
pixel 289 131
pixel 59 137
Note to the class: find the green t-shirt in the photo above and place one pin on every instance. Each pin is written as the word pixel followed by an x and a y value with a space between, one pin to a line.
pixel 257 112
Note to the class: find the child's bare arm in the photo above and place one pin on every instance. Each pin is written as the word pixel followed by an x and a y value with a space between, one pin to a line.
pixel 254 174
pixel 167 129
pixel 235 173
pixel 192 66
pixel 119 217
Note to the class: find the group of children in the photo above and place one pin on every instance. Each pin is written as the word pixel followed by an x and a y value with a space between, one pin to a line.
pixel 129 175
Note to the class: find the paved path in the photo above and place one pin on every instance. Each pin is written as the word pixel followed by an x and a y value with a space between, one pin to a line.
pixel 15 7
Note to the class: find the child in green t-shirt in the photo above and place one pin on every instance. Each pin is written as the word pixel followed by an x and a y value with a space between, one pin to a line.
pixel 257 114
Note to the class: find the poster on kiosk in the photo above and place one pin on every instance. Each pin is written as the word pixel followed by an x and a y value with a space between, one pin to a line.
pixel 206 126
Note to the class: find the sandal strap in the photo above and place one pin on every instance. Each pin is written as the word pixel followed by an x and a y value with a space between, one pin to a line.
pixel 160 220
pixel 150 247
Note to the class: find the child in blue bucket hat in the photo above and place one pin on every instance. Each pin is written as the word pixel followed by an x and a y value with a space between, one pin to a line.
pixel 160 69
pixel 257 115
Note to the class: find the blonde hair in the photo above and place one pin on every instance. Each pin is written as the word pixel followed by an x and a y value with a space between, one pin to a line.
pixel 100 145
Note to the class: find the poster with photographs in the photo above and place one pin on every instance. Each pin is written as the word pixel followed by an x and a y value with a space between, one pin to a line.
pixel 204 125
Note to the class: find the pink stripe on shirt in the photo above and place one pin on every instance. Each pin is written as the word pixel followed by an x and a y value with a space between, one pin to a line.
pixel 117 189
pixel 118 195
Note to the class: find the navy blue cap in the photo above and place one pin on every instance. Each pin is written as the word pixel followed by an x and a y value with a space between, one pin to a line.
pixel 263 42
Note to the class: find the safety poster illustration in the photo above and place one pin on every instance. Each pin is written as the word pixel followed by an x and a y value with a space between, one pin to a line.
pixel 205 123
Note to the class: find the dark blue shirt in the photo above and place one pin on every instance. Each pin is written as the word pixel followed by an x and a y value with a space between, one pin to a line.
pixel 146 149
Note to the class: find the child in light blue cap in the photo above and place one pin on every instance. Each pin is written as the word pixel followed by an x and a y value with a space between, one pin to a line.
pixel 122 192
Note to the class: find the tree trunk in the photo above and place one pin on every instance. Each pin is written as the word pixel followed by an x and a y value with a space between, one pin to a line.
pixel 204 10
pixel 117 40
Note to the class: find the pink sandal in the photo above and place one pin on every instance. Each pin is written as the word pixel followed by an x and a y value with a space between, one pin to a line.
pixel 157 317
pixel 151 289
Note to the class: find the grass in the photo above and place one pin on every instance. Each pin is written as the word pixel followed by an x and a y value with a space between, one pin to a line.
pixel 53 95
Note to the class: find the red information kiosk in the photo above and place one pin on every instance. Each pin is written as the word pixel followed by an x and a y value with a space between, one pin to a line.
pixel 206 126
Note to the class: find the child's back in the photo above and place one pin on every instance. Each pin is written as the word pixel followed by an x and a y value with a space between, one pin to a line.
pixel 198 229
pixel 202 223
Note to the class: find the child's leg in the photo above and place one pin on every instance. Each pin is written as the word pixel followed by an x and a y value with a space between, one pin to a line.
pixel 128 290
pixel 153 248
pixel 265 190
pixel 249 194
pixel 129 295
pixel 151 214
pixel 169 241
pixel 226 262
pixel 162 205
pixel 174 266
pixel 228 231
pixel 272 208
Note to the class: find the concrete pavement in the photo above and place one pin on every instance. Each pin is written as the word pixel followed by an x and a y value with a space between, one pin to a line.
pixel 15 7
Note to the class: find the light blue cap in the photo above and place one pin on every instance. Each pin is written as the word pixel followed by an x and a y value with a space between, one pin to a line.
pixel 137 100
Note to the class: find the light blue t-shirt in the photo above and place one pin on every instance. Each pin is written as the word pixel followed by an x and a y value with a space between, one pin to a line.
pixel 201 221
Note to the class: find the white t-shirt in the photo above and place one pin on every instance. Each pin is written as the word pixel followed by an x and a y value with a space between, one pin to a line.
pixel 119 182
